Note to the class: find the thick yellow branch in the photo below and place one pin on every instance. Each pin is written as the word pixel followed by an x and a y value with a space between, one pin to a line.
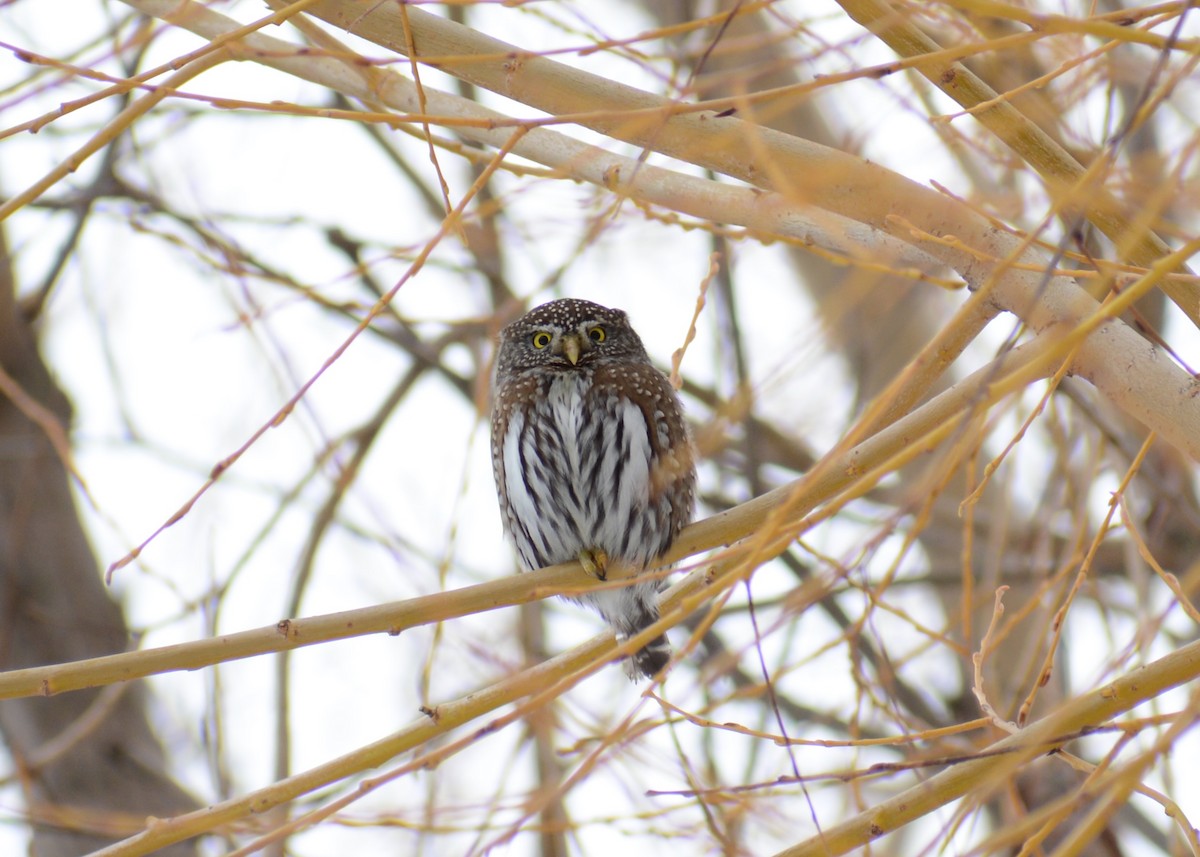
pixel 1006 756
pixel 1068 181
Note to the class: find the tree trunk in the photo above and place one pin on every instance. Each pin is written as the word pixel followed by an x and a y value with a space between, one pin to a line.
pixel 90 767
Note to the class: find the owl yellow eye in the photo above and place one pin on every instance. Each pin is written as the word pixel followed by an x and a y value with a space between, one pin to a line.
pixel 596 334
pixel 541 339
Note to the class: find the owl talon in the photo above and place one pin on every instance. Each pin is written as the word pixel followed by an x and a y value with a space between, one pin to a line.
pixel 594 562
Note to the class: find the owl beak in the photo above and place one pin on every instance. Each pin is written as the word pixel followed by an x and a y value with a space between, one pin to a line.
pixel 570 347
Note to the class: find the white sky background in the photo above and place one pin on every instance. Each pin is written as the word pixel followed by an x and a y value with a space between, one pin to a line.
pixel 166 381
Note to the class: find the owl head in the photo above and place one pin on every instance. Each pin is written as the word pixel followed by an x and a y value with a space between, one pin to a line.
pixel 567 335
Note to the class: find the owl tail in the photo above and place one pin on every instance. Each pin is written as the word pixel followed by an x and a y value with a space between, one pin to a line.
pixel 648 661
pixel 629 611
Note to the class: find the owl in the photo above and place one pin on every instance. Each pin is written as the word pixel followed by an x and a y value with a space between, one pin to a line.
pixel 592 457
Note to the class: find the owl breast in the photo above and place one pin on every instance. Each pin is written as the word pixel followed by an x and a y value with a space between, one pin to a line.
pixel 577 471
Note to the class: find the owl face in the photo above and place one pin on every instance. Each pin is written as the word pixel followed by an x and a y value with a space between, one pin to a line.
pixel 566 335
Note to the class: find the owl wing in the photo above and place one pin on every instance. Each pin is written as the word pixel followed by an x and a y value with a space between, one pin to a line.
pixel 517 505
pixel 672 456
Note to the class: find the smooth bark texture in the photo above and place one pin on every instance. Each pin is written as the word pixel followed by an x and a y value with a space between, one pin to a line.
pixel 92 768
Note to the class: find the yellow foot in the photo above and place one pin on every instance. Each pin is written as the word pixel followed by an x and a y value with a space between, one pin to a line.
pixel 594 562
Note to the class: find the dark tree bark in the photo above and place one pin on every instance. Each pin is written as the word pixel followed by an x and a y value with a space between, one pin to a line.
pixel 91 768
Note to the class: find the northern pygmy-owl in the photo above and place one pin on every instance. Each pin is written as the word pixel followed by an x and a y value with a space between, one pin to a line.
pixel 592 457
